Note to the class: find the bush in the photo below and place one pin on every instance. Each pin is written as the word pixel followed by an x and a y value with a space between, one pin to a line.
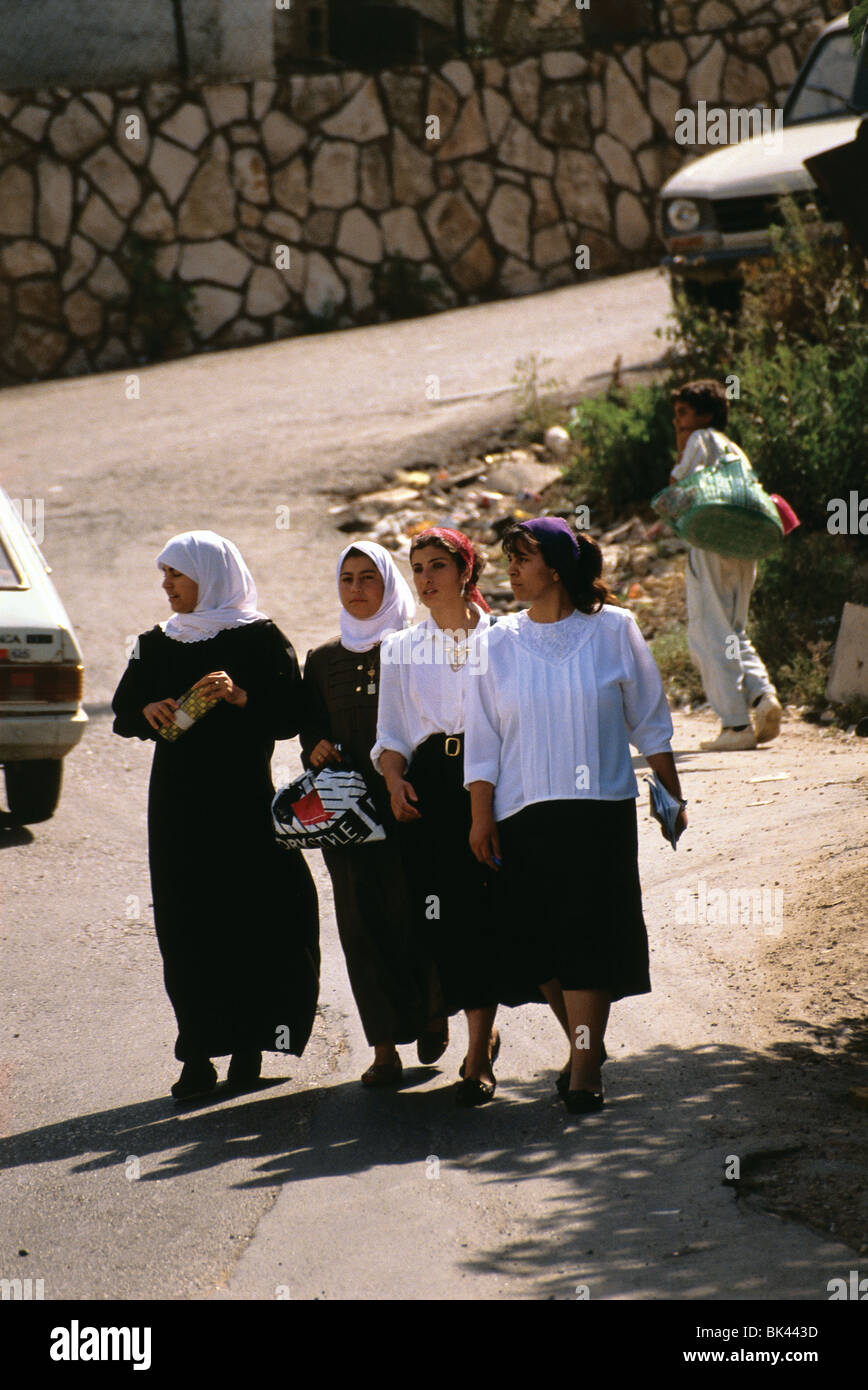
pixel 796 609
pixel 804 426
pixel 795 361
pixel 626 445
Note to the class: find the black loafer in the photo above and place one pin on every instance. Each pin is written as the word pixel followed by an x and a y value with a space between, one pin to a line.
pixel 562 1085
pixel 430 1046
pixel 197 1079
pixel 471 1091
pixel 244 1070
pixel 494 1054
pixel 584 1102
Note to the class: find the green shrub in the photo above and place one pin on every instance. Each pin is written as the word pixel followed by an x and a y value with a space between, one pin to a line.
pixel 795 360
pixel 803 424
pixel 797 604
pixel 626 445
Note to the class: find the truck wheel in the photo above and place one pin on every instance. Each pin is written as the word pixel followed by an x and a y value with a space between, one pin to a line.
pixel 33 789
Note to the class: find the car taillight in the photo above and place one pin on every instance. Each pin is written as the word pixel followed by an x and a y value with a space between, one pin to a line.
pixel 26 684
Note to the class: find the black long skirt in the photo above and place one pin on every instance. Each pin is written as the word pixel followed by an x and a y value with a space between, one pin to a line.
pixel 394 986
pixel 570 896
pixel 451 904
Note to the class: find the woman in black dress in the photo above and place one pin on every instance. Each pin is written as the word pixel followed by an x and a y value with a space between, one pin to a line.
pixel 394 986
pixel 235 912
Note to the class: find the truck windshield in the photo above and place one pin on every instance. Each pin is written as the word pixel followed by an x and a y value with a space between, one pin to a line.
pixel 835 84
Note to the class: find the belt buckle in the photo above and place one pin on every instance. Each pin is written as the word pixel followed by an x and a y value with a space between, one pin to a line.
pixel 452 752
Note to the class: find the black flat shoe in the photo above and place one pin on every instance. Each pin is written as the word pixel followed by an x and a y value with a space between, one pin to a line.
pixel 430 1046
pixel 562 1085
pixel 244 1071
pixel 197 1079
pixel 493 1055
pixel 471 1091
pixel 584 1102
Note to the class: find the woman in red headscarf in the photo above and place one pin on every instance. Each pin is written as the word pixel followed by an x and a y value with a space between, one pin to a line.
pixel 424 672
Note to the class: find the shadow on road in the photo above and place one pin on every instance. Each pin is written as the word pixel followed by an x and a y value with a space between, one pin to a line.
pixel 615 1183
pixel 12 832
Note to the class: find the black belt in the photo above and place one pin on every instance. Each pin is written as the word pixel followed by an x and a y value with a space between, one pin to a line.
pixel 451 745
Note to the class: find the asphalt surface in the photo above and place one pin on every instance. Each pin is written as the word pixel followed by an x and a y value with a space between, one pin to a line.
pixel 312 1187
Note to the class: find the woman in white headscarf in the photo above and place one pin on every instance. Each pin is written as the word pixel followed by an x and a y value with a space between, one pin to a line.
pixel 395 987
pixel 235 913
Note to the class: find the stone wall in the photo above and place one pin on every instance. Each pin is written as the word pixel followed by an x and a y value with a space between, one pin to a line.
pixel 276 201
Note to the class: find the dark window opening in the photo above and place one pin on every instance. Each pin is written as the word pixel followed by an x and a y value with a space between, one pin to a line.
pixel 619 23
pixel 373 35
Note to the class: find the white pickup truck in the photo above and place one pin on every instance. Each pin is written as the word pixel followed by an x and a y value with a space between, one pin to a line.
pixel 717 211
pixel 41 717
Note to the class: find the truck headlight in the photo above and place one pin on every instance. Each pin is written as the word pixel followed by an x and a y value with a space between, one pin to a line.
pixel 683 215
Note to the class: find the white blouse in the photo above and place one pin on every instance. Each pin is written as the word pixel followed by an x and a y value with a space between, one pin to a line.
pixel 554 706
pixel 424 676
pixel 704 449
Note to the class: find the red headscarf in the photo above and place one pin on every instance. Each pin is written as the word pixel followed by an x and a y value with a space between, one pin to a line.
pixel 465 549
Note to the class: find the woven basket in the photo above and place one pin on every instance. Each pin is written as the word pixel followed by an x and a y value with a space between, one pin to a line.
pixel 724 509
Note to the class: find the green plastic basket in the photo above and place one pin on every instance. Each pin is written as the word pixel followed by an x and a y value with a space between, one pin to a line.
pixel 724 509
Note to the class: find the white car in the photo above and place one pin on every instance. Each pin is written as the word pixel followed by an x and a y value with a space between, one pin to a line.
pixel 41 675
pixel 716 212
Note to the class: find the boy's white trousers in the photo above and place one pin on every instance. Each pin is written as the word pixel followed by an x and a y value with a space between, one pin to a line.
pixel 718 595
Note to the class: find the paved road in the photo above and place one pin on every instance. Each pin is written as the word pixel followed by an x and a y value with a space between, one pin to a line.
pixel 313 1188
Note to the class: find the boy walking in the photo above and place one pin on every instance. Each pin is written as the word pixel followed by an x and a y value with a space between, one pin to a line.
pixel 737 684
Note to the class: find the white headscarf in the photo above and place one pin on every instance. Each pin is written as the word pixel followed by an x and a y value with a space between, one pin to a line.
pixel 227 593
pixel 397 609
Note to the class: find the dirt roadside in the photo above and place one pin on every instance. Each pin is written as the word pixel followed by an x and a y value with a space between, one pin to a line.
pixel 800 992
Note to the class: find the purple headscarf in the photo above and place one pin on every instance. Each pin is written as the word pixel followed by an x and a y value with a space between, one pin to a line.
pixel 558 543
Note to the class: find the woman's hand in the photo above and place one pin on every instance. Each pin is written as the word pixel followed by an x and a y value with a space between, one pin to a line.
pixel 484 840
pixel 221 685
pixel 324 752
pixel 160 713
pixel 402 796
pixel 664 765
pixel 680 824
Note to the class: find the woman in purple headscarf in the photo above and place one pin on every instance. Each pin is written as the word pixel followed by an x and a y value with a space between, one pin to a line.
pixel 563 689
